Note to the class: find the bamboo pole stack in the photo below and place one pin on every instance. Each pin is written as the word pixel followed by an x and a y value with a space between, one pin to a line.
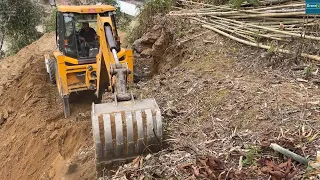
pixel 274 20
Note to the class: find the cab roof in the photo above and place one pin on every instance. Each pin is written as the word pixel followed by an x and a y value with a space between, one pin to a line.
pixel 94 9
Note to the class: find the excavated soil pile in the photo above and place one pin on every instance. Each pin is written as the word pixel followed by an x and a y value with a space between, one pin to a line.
pixel 36 141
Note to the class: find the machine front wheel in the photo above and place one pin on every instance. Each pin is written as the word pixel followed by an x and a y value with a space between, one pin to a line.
pixel 51 69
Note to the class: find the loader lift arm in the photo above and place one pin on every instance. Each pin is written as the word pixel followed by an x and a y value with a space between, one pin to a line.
pixel 117 72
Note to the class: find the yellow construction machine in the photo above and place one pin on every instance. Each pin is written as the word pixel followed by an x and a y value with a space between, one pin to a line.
pixel 89 57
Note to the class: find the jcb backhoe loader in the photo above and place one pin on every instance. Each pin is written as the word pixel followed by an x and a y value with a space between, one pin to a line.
pixel 125 127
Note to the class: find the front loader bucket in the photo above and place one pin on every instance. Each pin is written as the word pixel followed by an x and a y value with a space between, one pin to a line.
pixel 124 130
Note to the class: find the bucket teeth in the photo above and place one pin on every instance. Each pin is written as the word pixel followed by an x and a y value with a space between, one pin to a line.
pixel 127 132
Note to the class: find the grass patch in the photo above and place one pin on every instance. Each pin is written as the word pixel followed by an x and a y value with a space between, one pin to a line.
pixel 252 153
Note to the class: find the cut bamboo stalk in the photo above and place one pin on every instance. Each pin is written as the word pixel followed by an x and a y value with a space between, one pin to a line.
pixel 198 35
pixel 252 33
pixel 204 4
pixel 314 57
pixel 244 30
pixel 277 22
pixel 266 28
pixel 196 10
pixel 251 39
pixel 279 19
pixel 284 10
pixel 277 7
pixel 204 13
pixel 266 3
pixel 288 14
pixel 288 153
pixel 237 31
pixel 232 24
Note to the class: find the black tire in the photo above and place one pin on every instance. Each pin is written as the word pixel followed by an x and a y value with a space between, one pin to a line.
pixel 52 70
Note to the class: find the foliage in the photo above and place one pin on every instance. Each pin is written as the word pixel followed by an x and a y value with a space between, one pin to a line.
pixel 272 48
pixel 50 21
pixel 250 156
pixel 2 54
pixel 123 21
pixel 20 20
pixel 308 71
pixel 238 3
pixel 144 19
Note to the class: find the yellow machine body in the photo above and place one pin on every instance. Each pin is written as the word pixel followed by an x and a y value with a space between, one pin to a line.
pixel 124 128
pixel 67 68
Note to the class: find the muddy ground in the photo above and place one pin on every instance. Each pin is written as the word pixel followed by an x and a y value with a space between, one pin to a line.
pixel 219 99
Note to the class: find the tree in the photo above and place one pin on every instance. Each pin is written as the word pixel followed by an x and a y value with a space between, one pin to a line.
pixel 19 20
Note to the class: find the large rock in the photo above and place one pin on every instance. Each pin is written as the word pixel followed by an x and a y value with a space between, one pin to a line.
pixel 147 52
pixel 139 45
pixel 160 44
pixel 148 39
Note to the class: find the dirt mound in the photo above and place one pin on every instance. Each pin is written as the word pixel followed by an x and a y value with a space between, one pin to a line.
pixel 157 51
pixel 36 141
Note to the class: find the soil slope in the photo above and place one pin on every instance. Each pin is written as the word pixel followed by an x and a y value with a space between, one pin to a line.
pixel 36 141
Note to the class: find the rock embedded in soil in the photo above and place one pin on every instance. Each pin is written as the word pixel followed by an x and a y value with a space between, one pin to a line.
pixel 5 114
pixel 1 118
pixel 1 90
pixel 50 127
pixel 53 135
pixel 139 45
pixel 147 52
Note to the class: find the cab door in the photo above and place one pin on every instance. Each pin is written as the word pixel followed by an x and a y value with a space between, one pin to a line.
pixel 70 45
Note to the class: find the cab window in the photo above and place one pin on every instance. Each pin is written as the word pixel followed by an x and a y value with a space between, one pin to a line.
pixel 70 45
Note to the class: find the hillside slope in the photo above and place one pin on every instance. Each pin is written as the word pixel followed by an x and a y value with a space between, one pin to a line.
pixel 36 141
pixel 218 99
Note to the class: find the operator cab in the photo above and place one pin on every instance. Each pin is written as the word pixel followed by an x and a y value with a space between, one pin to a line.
pixel 78 36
